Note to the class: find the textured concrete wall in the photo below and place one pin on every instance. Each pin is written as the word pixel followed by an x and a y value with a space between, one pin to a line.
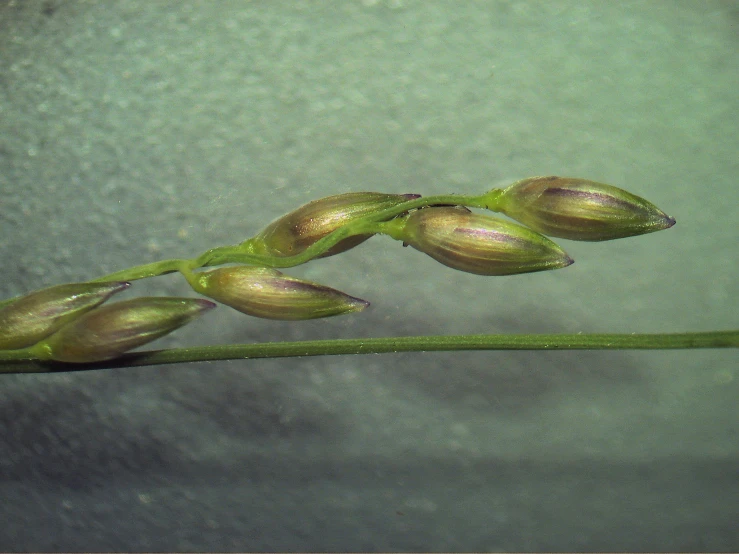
pixel 133 131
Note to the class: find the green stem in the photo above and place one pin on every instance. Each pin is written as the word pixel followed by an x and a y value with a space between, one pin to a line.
pixel 370 224
pixel 20 361
pixel 244 252
pixel 144 271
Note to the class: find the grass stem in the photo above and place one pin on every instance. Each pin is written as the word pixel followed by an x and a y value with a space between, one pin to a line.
pixel 19 361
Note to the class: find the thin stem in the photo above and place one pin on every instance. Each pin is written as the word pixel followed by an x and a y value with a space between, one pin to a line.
pixel 369 224
pixel 244 253
pixel 145 271
pixel 20 362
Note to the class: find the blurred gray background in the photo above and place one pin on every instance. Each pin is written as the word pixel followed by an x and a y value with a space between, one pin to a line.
pixel 135 131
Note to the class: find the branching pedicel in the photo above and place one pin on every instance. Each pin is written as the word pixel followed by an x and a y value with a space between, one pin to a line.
pixel 69 323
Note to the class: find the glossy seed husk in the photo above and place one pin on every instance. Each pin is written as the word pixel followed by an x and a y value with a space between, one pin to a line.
pixel 579 209
pixel 111 330
pixel 37 315
pixel 268 293
pixel 480 244
pixel 292 233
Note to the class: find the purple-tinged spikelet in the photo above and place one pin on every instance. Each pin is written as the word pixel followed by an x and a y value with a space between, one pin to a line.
pixel 37 315
pixel 292 233
pixel 109 331
pixel 268 293
pixel 578 209
pixel 480 244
